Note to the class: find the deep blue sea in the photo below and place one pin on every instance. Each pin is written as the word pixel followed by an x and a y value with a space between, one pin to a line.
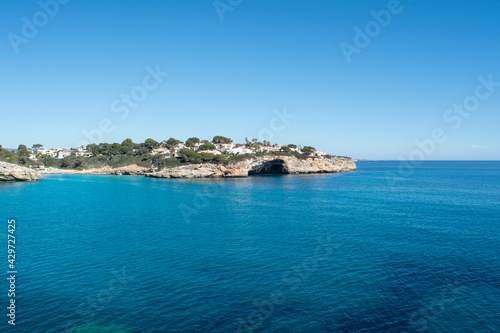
pixel 384 249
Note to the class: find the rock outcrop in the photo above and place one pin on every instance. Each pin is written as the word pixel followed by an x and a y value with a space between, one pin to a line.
pixel 133 169
pixel 14 172
pixel 261 165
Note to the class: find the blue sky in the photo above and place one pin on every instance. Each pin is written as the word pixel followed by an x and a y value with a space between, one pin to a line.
pixel 232 76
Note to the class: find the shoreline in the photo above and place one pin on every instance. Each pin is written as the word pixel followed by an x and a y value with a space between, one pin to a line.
pixel 132 169
pixel 255 166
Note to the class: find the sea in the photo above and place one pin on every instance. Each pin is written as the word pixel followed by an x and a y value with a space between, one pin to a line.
pixel 391 247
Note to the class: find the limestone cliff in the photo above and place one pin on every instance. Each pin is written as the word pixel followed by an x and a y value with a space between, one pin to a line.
pixel 261 165
pixel 14 172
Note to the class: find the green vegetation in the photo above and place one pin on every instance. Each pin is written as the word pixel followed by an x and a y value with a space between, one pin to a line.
pixel 150 144
pixel 116 161
pixel 127 147
pixel 221 139
pixel 190 156
pixel 8 156
pixel 191 142
pixel 128 143
pixel 171 143
pixel 234 158
pixel 206 146
pixel 128 153
pixel 22 151
pixel 161 162
pixel 308 150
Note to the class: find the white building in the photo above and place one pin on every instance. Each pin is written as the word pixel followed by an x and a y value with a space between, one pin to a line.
pixel 52 152
pixel 80 151
pixel 215 152
pixel 63 153
pixel 268 149
pixel 84 154
pixel 43 151
pixel 160 151
pixel 224 146
pixel 241 150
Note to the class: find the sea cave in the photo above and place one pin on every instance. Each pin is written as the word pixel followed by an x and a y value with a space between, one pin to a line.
pixel 274 167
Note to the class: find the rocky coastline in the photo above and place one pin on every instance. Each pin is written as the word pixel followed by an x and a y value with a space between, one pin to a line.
pixel 125 170
pixel 14 172
pixel 262 165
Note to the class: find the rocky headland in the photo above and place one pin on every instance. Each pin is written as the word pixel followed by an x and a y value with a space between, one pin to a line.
pixel 14 172
pixel 261 165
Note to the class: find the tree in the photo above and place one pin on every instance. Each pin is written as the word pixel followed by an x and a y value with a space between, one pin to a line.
pixel 206 157
pixel 141 151
pixel 308 150
pixel 219 158
pixel 72 162
pixel 188 155
pixel 128 143
pixel 37 146
pixel 1 147
pixel 116 149
pixel 127 149
pixel 291 145
pixel 286 149
pixel 191 142
pixel 150 144
pixel 172 142
pixel 206 146
pixel 94 149
pixel 221 139
pixel 254 140
pixel 22 151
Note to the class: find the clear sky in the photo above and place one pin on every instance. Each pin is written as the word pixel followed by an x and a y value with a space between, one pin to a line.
pixel 234 66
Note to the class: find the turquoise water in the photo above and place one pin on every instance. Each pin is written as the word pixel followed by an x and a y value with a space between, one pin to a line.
pixel 371 251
